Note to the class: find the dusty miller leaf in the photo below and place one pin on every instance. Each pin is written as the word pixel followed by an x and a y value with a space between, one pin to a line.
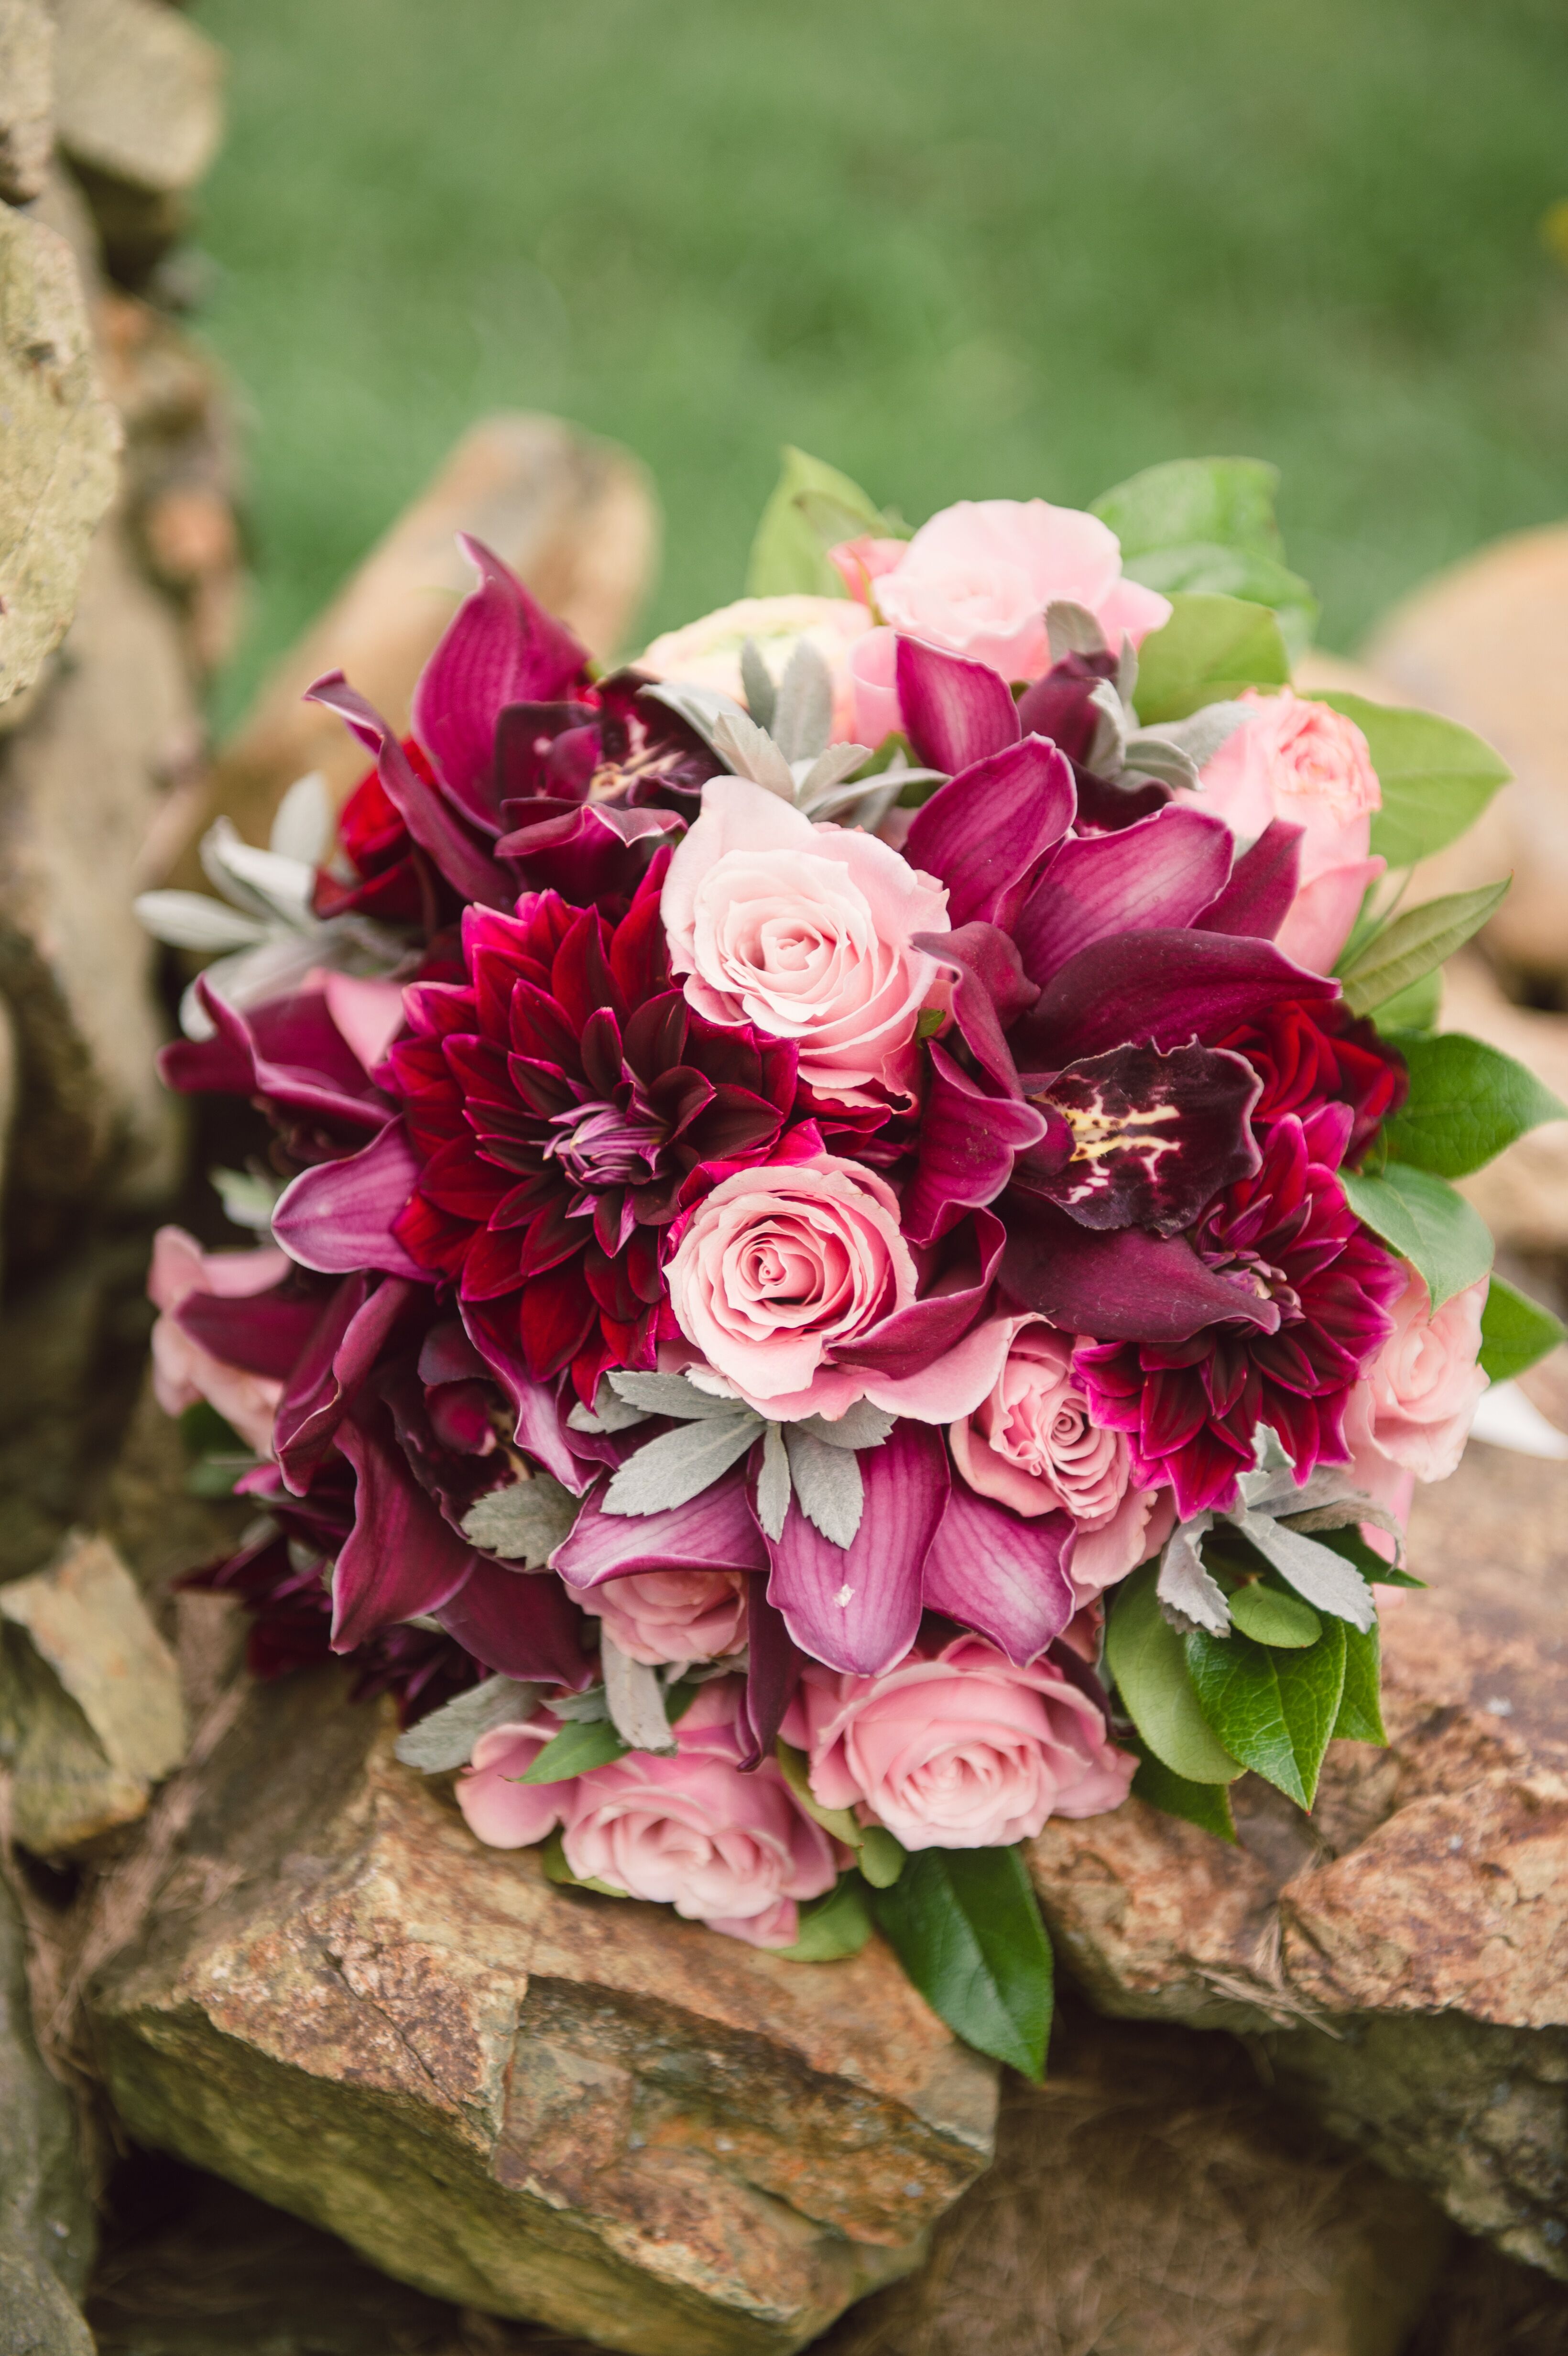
pixel 773 1482
pixel 1187 1595
pixel 758 681
pixel 861 1426
pixel 802 710
pixel 636 1700
pixel 1324 1577
pixel 672 1395
pixel 523 1523
pixel 827 1485
pixel 677 1467
pixel 446 1738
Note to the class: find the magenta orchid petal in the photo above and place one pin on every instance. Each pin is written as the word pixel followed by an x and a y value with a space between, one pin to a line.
pixel 263 1332
pixel 498 649
pixel 338 1217
pixel 1153 875
pixel 401 1555
pixel 430 818
pixel 1006 1578
pixel 1164 988
pixel 951 1386
pixel 955 712
pixel 288 1050
pixel 1150 1138
pixel 910 1340
pixel 774 1663
pixel 589 853
pixel 1122 1285
pixel 715 1531
pixel 1262 885
pixel 352 1327
pixel 858 1607
pixel 520 1624
pixel 969 1139
pixel 985 831
pixel 990 991
pixel 540 1430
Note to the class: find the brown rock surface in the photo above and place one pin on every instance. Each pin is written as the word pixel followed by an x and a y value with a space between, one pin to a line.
pixel 573 515
pixel 1403 1954
pixel 26 97
pixel 531 2100
pixel 46 2218
pixel 139 111
pixel 59 438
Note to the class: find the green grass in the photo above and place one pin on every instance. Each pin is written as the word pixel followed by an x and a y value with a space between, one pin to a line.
pixel 972 248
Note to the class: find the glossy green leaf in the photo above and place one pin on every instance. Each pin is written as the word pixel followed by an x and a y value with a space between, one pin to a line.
pixel 1466 1101
pixel 1206 567
pixel 1147 1658
pixel 1271 1617
pixel 582 1744
pixel 1210 649
pixel 1421 1215
pixel 1229 502
pixel 882 1857
pixel 1360 1718
pixel 1374 1568
pixel 965 1925
pixel 1515 1332
pixel 832 1927
pixel 203 1432
pixel 1410 947
pixel 1206 1805
pixel 1413 1009
pixel 1274 1711
pixel 812 509
pixel 1436 777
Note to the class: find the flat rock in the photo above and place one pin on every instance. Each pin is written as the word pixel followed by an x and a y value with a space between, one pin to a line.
pixel 1483 643
pixel 58 440
pixel 1404 1953
pixel 139 111
pixel 573 515
pixel 529 2100
pixel 46 2217
pixel 26 97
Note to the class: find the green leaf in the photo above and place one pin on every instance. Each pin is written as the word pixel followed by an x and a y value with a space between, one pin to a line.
pixel 1147 1658
pixel 1401 951
pixel 1206 1805
pixel 1275 1710
pixel 1210 649
pixel 205 1432
pixel 1466 1102
pixel 966 1926
pixel 832 1927
pixel 1360 1718
pixel 1260 580
pixel 1271 1617
pixel 812 509
pixel 1515 1332
pixel 1413 1009
pixel 1421 1215
pixel 216 1475
pixel 1373 1567
pixel 882 1857
pixel 552 1857
pixel 582 1744
pixel 1436 777
pixel 1227 500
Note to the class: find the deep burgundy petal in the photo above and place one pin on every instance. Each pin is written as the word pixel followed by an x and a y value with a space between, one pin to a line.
pixel 338 1217
pixel 858 1607
pixel 1263 884
pixel 955 712
pixel 493 1327
pixel 992 1571
pixel 990 991
pixel 715 1531
pixel 985 831
pixel 1121 1286
pixel 1154 1137
pixel 1155 874
pixel 521 1624
pixel 774 1663
pixel 430 818
pixel 263 1332
pixel 354 1325
pixel 401 1555
pixel 967 1141
pixel 1163 988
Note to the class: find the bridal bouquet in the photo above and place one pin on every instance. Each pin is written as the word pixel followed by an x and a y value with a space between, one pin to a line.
pixel 859 1246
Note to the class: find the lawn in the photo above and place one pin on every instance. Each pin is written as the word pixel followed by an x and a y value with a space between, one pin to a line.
pixel 974 250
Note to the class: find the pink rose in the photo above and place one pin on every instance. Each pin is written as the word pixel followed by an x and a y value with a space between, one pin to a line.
pixel 977 578
pixel 708 652
pixel 1413 1410
pixel 672 1615
pixel 1032 1446
pixel 806 932
pixel 502 1812
pixel 956 1750
pixel 1307 763
pixel 182 1372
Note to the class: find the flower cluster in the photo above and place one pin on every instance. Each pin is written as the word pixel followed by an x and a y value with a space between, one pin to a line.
pixel 830 1162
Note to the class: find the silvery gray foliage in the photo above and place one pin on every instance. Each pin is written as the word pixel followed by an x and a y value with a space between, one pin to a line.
pixel 758 681
pixel 635 1698
pixel 827 1483
pixel 773 1482
pixel 605 1701
pixel 861 1426
pixel 1173 752
pixel 815 1457
pixel 1072 629
pixel 525 1522
pixel 802 708
pixel 608 1413
pixel 446 1738
pixel 1274 1515
pixel 679 1464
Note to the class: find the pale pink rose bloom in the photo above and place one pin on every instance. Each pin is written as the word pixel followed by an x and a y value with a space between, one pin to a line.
pixel 804 931
pixel 959 1750
pixel 502 1812
pixel 707 653
pixel 862 563
pixel 1032 1445
pixel 736 1851
pixel 1307 763
pixel 182 1372
pixel 976 581
pixel 654 1616
pixel 1414 1409
pixel 873 675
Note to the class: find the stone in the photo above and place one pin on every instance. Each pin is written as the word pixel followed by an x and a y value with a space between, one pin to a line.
pixel 91 1712
pixel 46 2217
pixel 1483 644
pixel 59 440
pixel 1400 1955
pixel 572 515
pixel 80 788
pixel 1152 2200
pixel 531 2100
pixel 139 111
pixel 26 97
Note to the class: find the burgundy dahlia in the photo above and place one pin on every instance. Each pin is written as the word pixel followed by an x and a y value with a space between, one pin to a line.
pixel 558 1098
pixel 1311 1054
pixel 1286 1237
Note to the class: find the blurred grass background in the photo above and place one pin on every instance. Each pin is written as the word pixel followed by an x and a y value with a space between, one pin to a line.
pixel 958 247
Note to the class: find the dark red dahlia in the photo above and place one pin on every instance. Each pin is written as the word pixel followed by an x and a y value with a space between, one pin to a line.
pixel 1287 1237
pixel 557 1100
pixel 375 870
pixel 1307 1054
